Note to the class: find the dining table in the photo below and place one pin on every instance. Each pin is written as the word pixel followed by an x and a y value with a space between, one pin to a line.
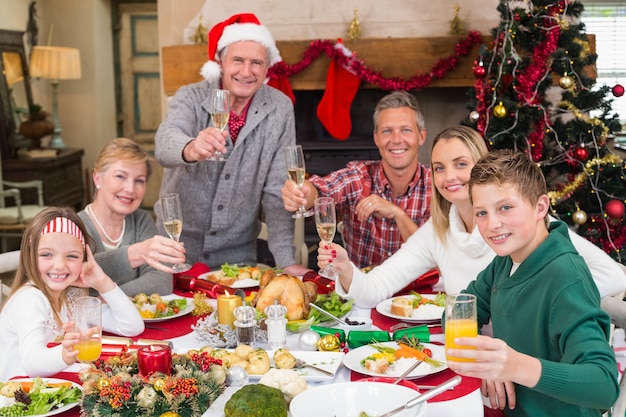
pixel 463 400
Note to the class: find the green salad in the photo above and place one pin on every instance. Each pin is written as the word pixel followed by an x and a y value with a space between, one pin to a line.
pixel 37 397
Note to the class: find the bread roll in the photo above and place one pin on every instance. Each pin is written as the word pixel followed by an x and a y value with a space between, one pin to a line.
pixel 401 306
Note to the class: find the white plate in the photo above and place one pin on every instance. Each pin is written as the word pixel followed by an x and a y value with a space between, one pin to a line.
pixel 242 283
pixel 384 308
pixel 353 361
pixel 181 313
pixel 59 410
pixel 329 361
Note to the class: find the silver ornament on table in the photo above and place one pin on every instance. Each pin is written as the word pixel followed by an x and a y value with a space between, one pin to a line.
pixel 236 376
pixel 308 340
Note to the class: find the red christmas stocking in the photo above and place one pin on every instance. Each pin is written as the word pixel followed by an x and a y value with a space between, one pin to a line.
pixel 334 108
pixel 282 83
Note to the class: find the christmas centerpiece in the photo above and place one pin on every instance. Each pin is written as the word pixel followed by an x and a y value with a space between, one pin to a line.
pixel 115 387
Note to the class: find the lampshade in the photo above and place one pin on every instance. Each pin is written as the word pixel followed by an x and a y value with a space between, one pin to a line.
pixel 55 63
pixel 12 63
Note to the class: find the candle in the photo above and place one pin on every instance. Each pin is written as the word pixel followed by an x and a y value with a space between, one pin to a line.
pixel 226 305
pixel 154 358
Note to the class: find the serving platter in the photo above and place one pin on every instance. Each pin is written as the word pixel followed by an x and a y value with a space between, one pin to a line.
pixel 58 410
pixel 431 315
pixel 242 283
pixel 353 359
pixel 188 309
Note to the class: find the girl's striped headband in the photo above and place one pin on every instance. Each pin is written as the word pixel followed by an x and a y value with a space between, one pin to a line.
pixel 64 225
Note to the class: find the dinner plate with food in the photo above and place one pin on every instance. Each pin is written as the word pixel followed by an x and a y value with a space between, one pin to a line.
pixel 418 308
pixel 155 307
pixel 391 359
pixel 235 276
pixel 46 396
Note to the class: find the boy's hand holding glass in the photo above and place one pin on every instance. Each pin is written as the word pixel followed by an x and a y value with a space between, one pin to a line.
pixel 460 322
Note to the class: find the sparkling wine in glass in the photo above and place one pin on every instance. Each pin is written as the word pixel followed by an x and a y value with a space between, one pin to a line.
pixel 219 107
pixel 326 224
pixel 88 322
pixel 296 172
pixel 173 222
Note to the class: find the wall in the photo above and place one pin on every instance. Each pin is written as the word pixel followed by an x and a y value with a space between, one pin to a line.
pixel 86 106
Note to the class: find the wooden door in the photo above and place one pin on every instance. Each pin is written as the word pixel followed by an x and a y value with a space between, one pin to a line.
pixel 138 83
pixel 139 109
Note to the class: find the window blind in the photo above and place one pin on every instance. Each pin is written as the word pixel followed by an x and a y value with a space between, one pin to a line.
pixel 607 21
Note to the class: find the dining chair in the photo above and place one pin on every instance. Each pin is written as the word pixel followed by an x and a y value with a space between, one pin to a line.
pixel 15 217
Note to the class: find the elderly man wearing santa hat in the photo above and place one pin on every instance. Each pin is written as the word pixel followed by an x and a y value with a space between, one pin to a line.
pixel 222 201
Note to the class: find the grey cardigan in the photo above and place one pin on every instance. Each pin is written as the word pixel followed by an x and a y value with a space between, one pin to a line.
pixel 114 263
pixel 222 201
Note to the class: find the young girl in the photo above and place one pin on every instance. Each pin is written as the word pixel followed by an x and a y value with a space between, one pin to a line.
pixel 55 267
pixel 449 241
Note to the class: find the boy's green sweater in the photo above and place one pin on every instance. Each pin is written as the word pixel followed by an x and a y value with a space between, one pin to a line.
pixel 550 309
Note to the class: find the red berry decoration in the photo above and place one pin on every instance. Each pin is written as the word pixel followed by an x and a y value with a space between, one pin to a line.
pixel 618 90
pixel 581 154
pixel 614 209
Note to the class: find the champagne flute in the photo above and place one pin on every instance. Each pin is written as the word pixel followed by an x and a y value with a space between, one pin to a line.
pixel 88 322
pixel 296 171
pixel 326 224
pixel 173 222
pixel 219 107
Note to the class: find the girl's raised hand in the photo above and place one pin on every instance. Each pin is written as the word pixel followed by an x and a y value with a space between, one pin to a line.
pixel 92 275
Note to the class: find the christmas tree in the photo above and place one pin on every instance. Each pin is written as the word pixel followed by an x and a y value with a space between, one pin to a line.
pixel 535 91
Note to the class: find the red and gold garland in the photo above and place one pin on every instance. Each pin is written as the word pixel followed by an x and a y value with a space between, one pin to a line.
pixel 358 67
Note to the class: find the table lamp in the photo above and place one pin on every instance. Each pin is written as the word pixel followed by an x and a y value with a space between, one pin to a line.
pixel 12 64
pixel 55 63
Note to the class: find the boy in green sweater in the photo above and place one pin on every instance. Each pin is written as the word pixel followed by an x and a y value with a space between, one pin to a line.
pixel 550 354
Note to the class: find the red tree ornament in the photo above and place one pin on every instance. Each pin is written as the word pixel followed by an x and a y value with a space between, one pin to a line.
pixel 614 209
pixel 479 70
pixel 581 154
pixel 618 90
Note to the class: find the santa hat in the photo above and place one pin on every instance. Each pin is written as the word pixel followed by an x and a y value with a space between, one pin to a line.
pixel 240 27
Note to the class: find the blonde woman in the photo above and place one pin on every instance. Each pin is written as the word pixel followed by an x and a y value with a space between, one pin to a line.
pixel 127 244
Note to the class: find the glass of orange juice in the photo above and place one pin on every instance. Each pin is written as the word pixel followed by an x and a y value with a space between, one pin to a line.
pixel 460 322
pixel 88 322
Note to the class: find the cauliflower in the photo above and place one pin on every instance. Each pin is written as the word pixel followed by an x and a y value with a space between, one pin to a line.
pixel 286 380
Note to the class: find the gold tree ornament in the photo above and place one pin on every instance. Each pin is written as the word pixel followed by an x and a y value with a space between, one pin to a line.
pixel 354 31
pixel 456 26
pixel 200 36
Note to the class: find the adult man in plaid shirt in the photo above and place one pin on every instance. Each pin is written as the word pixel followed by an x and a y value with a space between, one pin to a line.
pixel 381 202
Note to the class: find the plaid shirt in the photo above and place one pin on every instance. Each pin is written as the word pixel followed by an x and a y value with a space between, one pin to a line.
pixel 372 241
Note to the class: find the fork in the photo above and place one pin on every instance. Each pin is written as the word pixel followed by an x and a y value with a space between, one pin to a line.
pixel 302 364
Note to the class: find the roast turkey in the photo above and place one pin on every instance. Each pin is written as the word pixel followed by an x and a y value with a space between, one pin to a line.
pixel 290 291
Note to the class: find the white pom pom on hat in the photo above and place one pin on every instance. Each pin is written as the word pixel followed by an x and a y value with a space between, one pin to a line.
pixel 240 27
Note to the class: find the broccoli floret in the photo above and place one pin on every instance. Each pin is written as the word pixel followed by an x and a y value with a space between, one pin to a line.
pixel 256 400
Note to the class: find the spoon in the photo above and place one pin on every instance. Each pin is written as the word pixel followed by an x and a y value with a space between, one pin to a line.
pixel 321 310
pixel 425 396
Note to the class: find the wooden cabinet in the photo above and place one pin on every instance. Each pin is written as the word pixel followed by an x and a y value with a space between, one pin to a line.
pixel 62 178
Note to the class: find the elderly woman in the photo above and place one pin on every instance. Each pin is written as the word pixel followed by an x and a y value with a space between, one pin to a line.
pixel 128 246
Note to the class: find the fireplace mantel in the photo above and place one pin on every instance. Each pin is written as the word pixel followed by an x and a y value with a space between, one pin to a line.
pixel 396 57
